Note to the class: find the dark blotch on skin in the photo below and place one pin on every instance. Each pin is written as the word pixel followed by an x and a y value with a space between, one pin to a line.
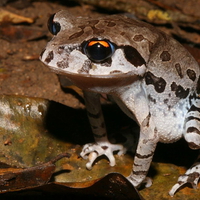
pixel 97 31
pixel 76 35
pixel 180 92
pixel 192 145
pixel 144 156
pixel 198 86
pixel 93 22
pixel 158 82
pixel 115 72
pixel 139 172
pixel 138 38
pixel 191 74
pixel 42 53
pixel 193 130
pixel 133 56
pixel 194 108
pixel 61 49
pixel 92 25
pixel 104 147
pixel 192 118
pixel 178 69
pixel 165 56
pixel 86 67
pixel 95 116
pixel 111 24
pixel 49 57
pixel 151 99
pixel 146 120
pixel 62 64
pixel 166 101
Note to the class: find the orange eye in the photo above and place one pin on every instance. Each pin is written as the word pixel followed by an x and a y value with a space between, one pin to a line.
pixel 103 43
pixel 98 50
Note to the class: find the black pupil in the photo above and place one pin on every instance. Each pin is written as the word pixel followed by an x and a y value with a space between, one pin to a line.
pixel 54 27
pixel 98 52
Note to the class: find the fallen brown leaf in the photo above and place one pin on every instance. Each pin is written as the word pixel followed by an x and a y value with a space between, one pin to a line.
pixel 13 179
pixel 6 16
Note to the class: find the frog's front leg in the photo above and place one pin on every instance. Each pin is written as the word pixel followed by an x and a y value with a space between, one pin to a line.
pixel 135 104
pixel 143 157
pixel 101 146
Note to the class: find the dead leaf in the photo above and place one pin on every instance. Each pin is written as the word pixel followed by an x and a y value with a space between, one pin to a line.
pixel 13 179
pixel 112 186
pixel 6 16
pixel 20 33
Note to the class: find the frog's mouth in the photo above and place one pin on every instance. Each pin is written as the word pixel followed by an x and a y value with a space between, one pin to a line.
pixel 90 82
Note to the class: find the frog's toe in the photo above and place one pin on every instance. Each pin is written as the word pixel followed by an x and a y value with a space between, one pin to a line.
pixel 92 151
pixel 191 177
pixel 87 149
pixel 138 181
pixel 92 158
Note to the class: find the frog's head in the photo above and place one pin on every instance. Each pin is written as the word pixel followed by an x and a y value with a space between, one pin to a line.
pixel 93 47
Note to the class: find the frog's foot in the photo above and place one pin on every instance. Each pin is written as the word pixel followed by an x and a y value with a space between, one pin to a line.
pixel 93 150
pixel 138 181
pixel 191 176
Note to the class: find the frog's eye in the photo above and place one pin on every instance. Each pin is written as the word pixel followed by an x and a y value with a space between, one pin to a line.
pixel 54 27
pixel 98 50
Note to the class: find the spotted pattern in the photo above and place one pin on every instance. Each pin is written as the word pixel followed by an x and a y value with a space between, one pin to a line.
pixel 41 54
pixel 138 38
pixel 76 35
pixel 63 64
pixel 156 48
pixel 111 24
pixel 180 92
pixel 61 49
pixel 193 130
pixel 133 56
pixel 165 56
pixel 166 101
pixel 144 156
pixel 139 172
pixel 158 82
pixel 191 74
pixel 198 86
pixel 151 99
pixel 49 57
pixel 92 25
pixel 179 70
pixel 86 67
pixel 146 121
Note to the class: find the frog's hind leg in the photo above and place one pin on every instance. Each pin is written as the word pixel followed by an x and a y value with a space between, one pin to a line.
pixel 192 124
pixel 191 176
pixel 192 136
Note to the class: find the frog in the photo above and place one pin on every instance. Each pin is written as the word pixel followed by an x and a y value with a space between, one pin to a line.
pixel 151 77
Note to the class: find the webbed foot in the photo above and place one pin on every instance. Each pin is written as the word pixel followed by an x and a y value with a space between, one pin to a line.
pixel 137 182
pixel 191 176
pixel 93 150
